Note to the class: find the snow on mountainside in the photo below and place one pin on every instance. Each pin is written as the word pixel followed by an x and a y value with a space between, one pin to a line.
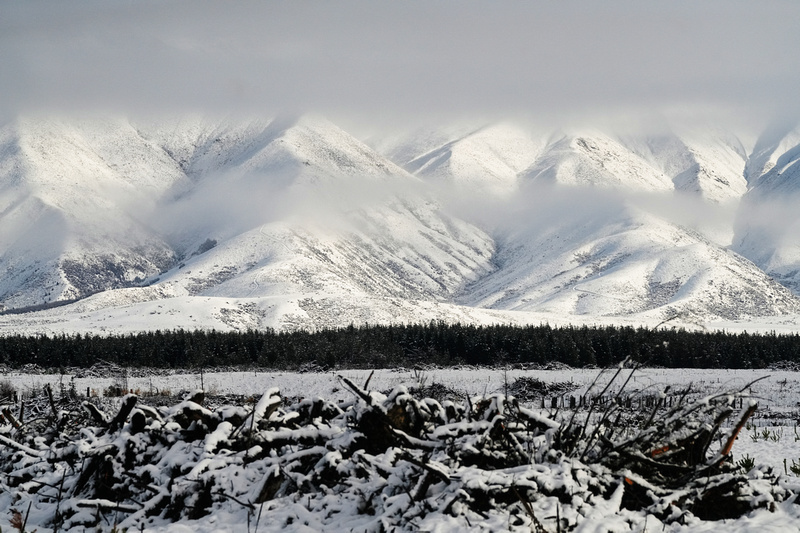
pixel 343 232
pixel 286 146
pixel 488 158
pixel 293 223
pixel 768 223
pixel 612 259
pixel 242 173
pixel 73 197
pixel 594 158
pixel 398 250
pixel 777 143
pixel 702 162
pixel 404 146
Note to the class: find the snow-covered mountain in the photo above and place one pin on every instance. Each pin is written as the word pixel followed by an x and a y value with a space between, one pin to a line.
pixel 292 222
pixel 775 147
pixel 704 162
pixel 768 223
pixel 74 201
pixel 594 159
pixel 489 158
pixel 614 259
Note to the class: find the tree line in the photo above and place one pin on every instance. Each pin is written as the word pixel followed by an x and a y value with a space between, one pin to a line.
pixel 382 346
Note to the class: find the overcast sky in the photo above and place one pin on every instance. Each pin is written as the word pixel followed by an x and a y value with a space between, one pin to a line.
pixel 387 61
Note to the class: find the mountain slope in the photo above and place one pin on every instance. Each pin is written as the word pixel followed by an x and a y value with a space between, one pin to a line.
pixel 778 142
pixel 397 249
pixel 593 158
pixel 702 162
pixel 73 197
pixel 768 224
pixel 488 158
pixel 705 162
pixel 613 259
pixel 289 208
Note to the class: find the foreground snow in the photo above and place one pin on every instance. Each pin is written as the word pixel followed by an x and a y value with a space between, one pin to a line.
pixel 428 480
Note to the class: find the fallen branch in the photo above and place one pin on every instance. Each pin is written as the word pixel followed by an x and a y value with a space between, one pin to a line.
pixel 11 418
pixel 106 505
pixel 128 402
pixel 742 421
pixel 21 447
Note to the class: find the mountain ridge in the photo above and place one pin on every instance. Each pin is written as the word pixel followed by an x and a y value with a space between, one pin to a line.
pixel 300 224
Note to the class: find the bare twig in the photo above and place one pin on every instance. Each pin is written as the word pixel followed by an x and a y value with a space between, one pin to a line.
pixel 742 421
pixel 366 383
pixel 356 390
pixel 529 510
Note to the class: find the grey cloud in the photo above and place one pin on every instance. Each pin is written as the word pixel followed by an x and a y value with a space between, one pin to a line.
pixel 386 61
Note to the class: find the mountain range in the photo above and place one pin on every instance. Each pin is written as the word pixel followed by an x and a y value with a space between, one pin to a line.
pixel 116 224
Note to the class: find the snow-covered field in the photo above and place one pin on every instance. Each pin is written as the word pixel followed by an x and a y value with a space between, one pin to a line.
pixel 771 439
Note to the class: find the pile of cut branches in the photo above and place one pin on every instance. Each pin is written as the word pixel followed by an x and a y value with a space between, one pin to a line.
pixel 529 389
pixel 382 462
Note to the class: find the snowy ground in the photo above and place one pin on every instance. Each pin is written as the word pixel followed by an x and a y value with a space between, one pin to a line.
pixel 778 391
pixel 772 438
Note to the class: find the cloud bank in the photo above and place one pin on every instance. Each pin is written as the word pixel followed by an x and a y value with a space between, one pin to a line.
pixel 381 61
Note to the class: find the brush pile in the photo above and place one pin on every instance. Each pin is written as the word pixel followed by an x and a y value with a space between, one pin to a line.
pixel 381 463
pixel 529 389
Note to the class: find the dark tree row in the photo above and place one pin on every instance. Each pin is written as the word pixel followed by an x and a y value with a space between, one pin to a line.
pixel 405 345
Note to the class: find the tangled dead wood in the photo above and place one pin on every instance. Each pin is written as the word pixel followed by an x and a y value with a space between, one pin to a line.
pixel 396 461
